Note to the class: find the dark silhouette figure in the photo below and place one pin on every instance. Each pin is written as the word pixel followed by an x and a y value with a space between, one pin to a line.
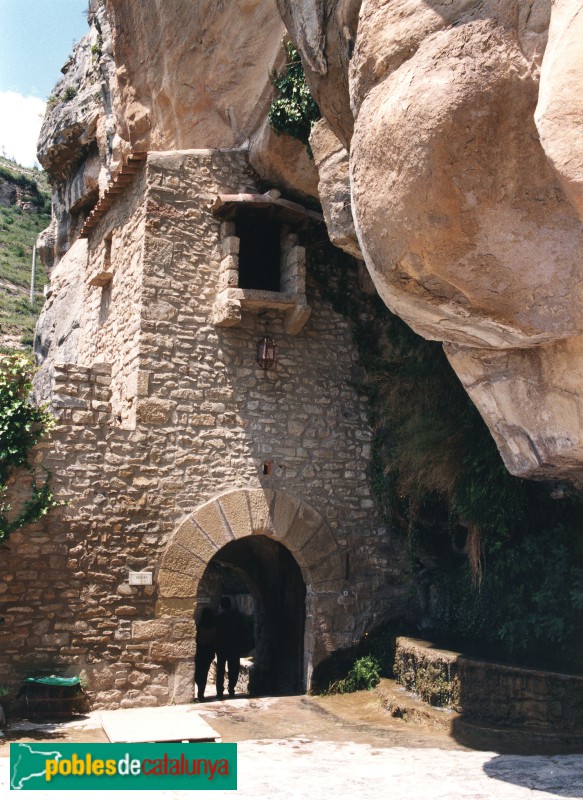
pixel 206 644
pixel 229 633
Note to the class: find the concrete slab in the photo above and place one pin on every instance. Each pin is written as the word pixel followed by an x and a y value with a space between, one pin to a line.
pixel 164 724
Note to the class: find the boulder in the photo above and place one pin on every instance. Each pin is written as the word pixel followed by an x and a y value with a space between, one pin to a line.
pixel 467 205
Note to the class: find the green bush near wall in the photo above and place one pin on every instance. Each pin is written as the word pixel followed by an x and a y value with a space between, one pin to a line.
pixel 22 425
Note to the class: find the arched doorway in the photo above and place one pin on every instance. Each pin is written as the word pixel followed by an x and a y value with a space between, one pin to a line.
pixel 235 516
pixel 265 584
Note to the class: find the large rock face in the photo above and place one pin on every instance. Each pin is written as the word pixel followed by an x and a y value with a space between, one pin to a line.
pixel 466 202
pixel 78 144
pixel 449 160
pixel 151 76
pixel 195 75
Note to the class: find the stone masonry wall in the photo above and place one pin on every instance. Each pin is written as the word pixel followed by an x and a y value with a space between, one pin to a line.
pixel 206 421
pixel 83 323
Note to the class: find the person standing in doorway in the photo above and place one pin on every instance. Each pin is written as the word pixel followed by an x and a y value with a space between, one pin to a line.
pixel 229 630
pixel 206 645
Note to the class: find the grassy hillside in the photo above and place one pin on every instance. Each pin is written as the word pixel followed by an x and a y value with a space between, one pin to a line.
pixel 24 212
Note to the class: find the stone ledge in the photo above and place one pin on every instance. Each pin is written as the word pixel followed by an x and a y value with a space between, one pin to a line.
pixel 227 311
pixel 502 694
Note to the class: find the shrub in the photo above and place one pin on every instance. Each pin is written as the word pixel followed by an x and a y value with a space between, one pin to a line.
pixel 436 473
pixel 294 111
pixel 69 93
pixel 365 673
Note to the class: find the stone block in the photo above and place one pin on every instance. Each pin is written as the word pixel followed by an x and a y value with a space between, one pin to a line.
pixel 178 559
pixel 211 520
pixel 183 688
pixel 202 420
pixel 139 700
pixel 175 606
pixel 230 263
pixel 172 651
pixel 226 313
pixel 296 318
pixel 151 630
pixel 230 245
pixel 229 279
pixel 176 584
pixel 63 401
pixel 288 241
pixel 227 229
pixel 188 535
pixel 306 523
pixel 260 509
pixel 236 510
pixel 101 368
pixel 154 411
pixel 295 257
pixel 142 383
pixel 184 629
pixel 284 513
pixel 327 575
pixel 82 417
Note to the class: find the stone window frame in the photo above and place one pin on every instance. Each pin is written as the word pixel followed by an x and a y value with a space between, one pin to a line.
pixel 291 299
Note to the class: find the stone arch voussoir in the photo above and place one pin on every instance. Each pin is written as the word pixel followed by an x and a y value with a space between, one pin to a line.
pixel 234 515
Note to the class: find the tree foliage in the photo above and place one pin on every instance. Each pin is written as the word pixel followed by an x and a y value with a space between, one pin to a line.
pixel 22 425
pixel 294 111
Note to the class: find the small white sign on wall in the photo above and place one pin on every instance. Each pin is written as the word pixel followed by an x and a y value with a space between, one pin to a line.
pixel 140 579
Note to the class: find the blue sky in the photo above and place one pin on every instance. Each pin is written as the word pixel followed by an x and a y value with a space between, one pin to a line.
pixel 36 38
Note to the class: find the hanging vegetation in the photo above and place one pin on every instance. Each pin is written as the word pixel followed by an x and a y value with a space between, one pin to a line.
pixel 22 425
pixel 293 111
pixel 505 559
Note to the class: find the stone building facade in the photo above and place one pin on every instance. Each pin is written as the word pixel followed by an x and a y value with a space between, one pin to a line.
pixel 179 456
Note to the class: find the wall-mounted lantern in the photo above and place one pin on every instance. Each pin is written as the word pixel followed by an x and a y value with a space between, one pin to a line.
pixel 266 353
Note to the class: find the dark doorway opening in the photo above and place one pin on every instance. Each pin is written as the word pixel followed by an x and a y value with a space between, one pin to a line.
pixel 259 251
pixel 265 584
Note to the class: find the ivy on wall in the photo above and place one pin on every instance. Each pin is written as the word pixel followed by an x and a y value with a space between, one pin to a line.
pixel 293 111
pixel 22 425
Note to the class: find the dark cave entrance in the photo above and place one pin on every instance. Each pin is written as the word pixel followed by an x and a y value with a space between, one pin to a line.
pixel 265 584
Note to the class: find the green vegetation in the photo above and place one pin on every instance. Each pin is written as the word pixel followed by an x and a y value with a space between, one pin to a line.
pixel 97 48
pixel 505 558
pixel 22 425
pixel 365 673
pixel 294 110
pixel 69 93
pixel 19 229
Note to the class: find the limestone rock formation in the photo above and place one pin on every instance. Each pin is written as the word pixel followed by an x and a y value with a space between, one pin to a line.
pixel 331 159
pixel 163 78
pixel 465 209
pixel 195 75
pixel 449 161
pixel 78 145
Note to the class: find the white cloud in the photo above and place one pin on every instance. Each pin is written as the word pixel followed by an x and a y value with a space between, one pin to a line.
pixel 20 122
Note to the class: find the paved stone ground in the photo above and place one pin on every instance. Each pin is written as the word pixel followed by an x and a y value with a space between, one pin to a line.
pixel 296 748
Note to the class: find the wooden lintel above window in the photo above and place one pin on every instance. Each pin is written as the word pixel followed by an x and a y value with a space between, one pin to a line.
pixel 226 206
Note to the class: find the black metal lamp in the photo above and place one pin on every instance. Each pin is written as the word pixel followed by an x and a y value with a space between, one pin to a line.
pixel 266 353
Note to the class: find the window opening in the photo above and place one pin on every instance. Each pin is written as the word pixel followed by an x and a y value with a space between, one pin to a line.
pixel 259 252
